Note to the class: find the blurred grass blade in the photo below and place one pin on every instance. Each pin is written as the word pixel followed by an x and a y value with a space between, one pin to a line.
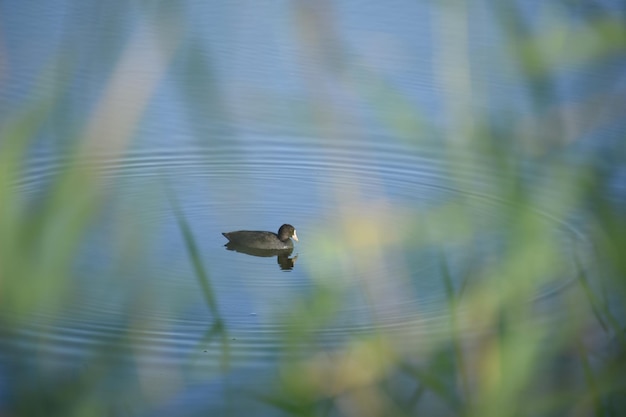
pixel 196 261
pixel 291 406
pixel 282 405
pixel 455 337
pixel 600 309
pixel 218 327
pixel 432 382
pixel 591 382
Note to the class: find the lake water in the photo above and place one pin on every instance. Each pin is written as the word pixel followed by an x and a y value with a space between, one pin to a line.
pixel 345 121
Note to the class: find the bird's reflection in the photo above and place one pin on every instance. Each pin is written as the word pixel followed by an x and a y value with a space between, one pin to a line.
pixel 284 260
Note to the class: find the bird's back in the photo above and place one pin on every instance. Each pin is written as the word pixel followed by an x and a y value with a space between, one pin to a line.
pixel 257 239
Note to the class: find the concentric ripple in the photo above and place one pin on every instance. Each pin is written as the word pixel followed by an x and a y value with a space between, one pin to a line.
pixel 136 284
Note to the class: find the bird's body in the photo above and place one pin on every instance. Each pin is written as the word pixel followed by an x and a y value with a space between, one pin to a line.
pixel 264 240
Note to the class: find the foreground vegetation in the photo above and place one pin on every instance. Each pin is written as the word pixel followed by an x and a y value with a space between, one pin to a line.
pixel 496 356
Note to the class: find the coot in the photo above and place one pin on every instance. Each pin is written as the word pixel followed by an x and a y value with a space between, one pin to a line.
pixel 264 240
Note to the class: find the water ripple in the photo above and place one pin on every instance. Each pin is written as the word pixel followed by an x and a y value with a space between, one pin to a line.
pixel 259 184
